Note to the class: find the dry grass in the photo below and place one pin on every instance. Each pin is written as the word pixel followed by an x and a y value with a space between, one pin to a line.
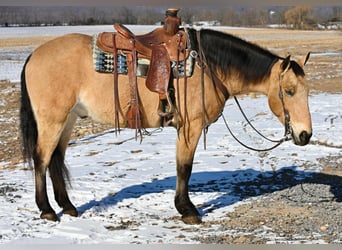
pixel 24 41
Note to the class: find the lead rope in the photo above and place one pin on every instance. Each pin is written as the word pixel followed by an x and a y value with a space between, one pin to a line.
pixel 287 134
pixel 249 147
pixel 251 125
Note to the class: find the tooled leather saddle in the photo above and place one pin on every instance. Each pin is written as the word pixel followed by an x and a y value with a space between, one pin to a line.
pixel 162 47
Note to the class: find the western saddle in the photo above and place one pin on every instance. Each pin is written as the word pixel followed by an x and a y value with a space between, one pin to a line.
pixel 162 47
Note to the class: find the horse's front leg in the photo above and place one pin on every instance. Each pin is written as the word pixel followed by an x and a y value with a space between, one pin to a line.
pixel 185 155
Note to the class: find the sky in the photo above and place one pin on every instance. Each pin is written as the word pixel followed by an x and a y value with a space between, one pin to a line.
pixel 174 3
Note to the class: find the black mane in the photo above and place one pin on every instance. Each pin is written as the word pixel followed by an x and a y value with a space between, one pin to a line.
pixel 229 54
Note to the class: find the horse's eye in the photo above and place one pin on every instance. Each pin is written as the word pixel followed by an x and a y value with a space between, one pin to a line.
pixel 289 92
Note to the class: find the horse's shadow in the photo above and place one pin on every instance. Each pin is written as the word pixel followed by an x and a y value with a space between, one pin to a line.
pixel 233 186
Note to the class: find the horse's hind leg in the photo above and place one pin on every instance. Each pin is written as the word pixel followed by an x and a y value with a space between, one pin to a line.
pixel 47 141
pixel 42 199
pixel 59 172
pixel 51 145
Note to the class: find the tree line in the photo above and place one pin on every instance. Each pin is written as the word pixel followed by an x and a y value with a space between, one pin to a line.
pixel 299 17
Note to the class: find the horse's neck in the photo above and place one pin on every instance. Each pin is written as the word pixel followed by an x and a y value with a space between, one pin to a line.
pixel 256 88
pixel 236 86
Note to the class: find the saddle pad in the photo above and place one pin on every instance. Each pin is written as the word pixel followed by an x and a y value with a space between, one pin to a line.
pixel 102 61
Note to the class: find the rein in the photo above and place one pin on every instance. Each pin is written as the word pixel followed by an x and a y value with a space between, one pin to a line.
pixel 287 134
pixel 219 85
pixel 202 64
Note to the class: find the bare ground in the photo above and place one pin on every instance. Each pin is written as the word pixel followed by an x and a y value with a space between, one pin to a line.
pixel 302 211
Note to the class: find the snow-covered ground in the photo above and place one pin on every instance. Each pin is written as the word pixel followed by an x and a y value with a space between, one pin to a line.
pixel 124 190
pixel 9 32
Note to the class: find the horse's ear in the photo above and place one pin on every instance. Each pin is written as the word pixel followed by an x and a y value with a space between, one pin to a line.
pixel 304 60
pixel 285 65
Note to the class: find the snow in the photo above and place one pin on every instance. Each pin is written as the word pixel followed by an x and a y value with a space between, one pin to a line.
pixel 12 61
pixel 13 58
pixel 124 190
pixel 9 32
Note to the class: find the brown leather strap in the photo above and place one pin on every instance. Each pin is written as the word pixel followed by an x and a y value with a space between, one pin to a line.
pixel 133 115
pixel 218 83
pixel 116 88
pixel 204 123
pixel 205 69
pixel 180 51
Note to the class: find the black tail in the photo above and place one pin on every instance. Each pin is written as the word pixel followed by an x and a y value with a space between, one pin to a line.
pixel 29 134
pixel 28 125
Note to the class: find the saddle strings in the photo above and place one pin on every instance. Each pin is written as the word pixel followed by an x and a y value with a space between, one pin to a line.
pixel 116 90
pixel 217 84
pixel 201 57
pixel 186 134
pixel 178 108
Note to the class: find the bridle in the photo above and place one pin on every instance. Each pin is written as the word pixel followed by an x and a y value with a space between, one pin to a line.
pixel 220 86
pixel 288 128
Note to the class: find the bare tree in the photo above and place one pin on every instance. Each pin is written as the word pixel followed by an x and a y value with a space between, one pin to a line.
pixel 298 17
pixel 187 15
pixel 148 16
pixel 337 13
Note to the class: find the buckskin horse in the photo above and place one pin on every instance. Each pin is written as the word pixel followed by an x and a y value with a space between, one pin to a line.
pixel 59 84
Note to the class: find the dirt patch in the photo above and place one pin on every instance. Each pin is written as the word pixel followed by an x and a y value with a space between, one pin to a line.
pixel 278 218
pixel 301 211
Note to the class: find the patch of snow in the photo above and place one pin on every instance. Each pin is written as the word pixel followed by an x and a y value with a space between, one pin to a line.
pixel 124 193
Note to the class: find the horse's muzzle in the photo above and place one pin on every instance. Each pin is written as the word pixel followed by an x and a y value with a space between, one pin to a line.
pixel 303 138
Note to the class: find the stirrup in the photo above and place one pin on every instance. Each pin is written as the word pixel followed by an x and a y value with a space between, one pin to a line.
pixel 166 108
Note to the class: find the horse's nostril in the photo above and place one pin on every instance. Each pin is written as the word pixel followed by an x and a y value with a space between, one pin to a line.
pixel 304 137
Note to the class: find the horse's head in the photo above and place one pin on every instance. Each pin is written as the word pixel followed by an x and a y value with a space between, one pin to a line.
pixel 288 96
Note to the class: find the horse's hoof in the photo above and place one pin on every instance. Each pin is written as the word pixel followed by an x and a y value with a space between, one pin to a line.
pixel 191 220
pixel 49 216
pixel 71 212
